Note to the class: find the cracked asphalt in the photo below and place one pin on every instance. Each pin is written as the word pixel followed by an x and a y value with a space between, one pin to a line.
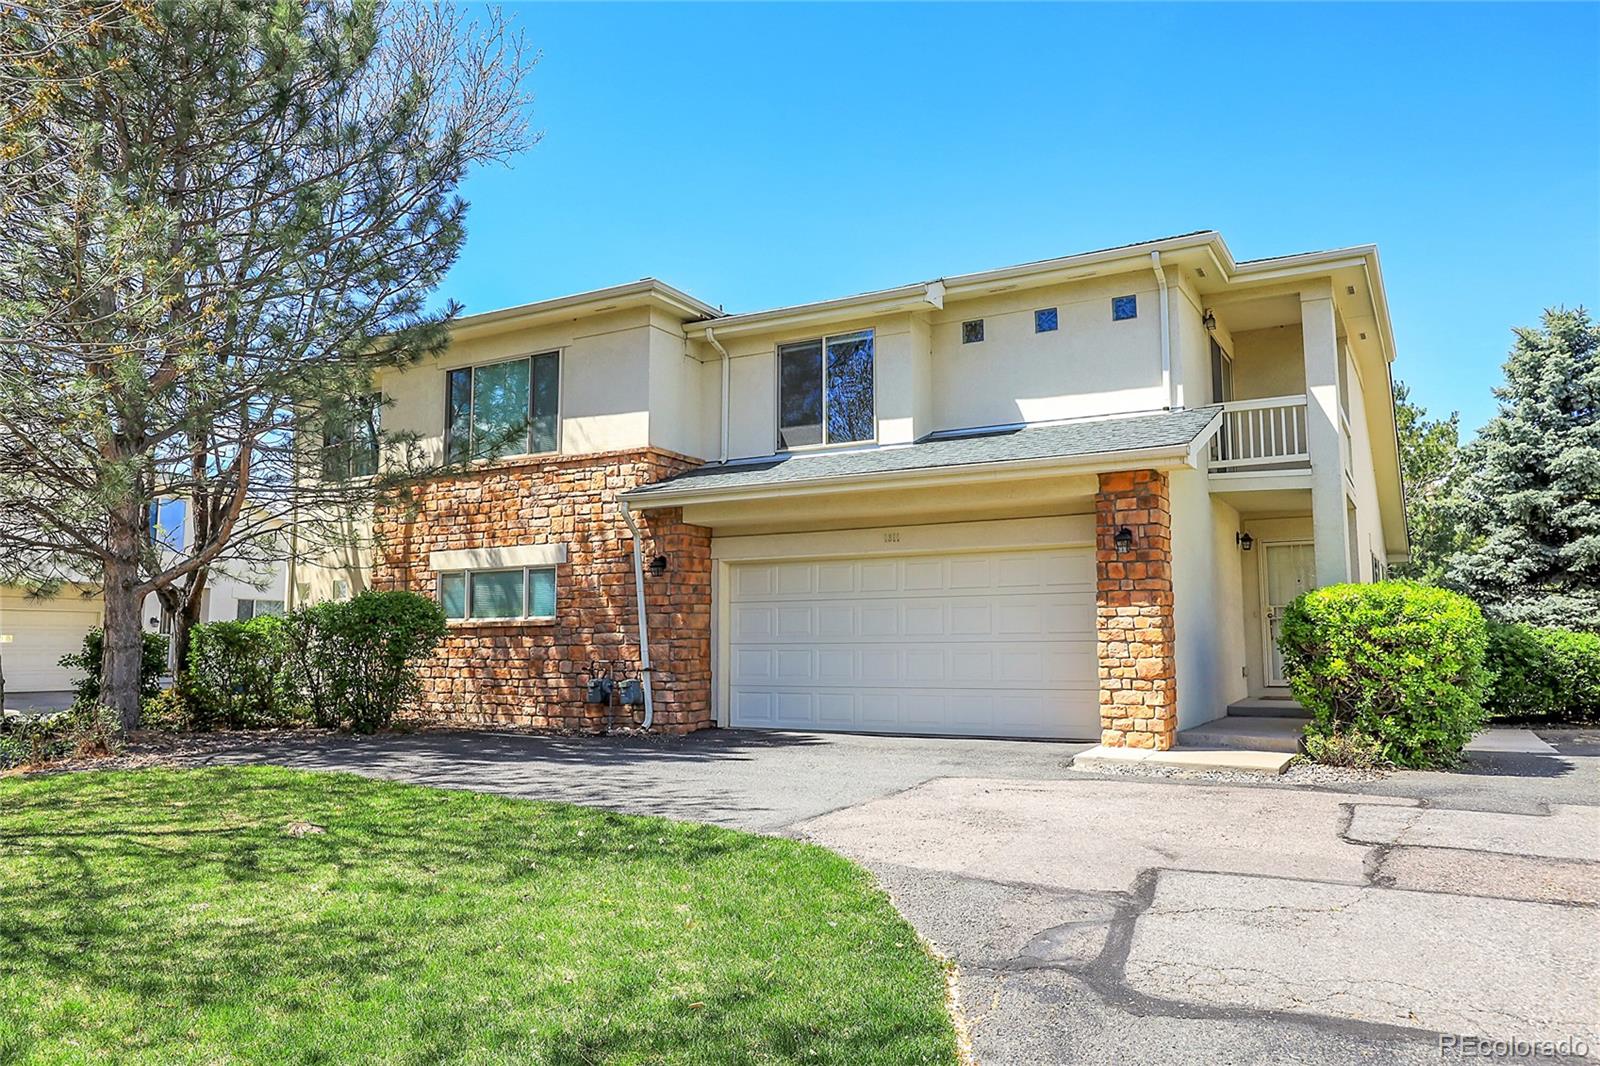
pixel 1119 919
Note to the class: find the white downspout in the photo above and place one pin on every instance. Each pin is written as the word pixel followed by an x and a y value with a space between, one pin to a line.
pixel 644 622
pixel 1166 333
pixel 711 337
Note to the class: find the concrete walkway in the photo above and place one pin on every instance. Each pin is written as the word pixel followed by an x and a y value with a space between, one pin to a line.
pixel 1117 919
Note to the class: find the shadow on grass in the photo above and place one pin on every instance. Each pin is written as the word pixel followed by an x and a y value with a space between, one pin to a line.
pixel 540 931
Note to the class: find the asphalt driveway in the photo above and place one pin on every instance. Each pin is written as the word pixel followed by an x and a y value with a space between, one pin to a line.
pixel 1119 919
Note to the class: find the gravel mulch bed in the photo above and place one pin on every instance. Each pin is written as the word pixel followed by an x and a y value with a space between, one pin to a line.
pixel 1298 774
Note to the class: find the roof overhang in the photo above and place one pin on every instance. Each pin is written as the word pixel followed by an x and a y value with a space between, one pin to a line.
pixel 1166 457
pixel 644 293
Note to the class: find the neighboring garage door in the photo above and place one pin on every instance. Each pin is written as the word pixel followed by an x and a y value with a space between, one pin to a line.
pixel 41 632
pixel 981 644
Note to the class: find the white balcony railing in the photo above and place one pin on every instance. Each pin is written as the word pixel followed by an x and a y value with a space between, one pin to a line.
pixel 1256 433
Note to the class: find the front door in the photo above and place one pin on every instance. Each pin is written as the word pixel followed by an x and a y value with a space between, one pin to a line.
pixel 1288 570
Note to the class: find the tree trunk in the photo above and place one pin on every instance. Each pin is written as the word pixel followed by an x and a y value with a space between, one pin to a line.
pixel 124 644
pixel 183 622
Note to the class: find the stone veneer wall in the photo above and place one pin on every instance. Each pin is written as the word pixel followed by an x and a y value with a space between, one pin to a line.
pixel 1133 612
pixel 534 673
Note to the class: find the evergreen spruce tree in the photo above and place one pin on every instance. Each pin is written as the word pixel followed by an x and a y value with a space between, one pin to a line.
pixel 1531 499
pixel 221 218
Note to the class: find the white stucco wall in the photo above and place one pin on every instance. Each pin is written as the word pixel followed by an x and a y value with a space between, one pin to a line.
pixel 1207 591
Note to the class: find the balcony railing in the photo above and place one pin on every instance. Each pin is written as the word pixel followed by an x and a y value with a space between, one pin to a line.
pixel 1261 433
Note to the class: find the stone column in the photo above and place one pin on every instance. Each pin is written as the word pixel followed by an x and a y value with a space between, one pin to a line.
pixel 1133 612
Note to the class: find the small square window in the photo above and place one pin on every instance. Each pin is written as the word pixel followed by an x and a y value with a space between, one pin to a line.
pixel 972 332
pixel 1044 320
pixel 1124 307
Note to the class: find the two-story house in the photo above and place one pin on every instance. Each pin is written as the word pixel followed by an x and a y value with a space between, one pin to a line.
pixel 1063 499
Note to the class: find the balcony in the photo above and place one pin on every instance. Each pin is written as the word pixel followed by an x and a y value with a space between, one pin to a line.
pixel 1261 435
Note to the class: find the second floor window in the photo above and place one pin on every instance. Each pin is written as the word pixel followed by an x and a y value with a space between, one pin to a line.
pixel 508 408
pixel 350 440
pixel 825 393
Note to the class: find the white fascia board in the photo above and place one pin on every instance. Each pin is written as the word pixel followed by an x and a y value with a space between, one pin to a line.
pixel 577 305
pixel 505 558
pixel 917 296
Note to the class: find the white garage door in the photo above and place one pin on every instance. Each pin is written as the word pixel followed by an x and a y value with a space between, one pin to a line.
pixel 41 632
pixel 982 644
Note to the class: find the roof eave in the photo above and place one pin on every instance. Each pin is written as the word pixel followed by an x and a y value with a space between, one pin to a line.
pixel 916 296
pixel 648 291
pixel 1164 457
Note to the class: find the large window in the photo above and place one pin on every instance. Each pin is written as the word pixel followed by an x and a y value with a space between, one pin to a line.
pixel 350 439
pixel 825 391
pixel 508 408
pixel 166 522
pixel 526 592
pixel 244 610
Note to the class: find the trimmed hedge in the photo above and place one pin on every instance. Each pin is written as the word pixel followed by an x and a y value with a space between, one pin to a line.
pixel 1544 673
pixel 352 660
pixel 239 676
pixel 1400 663
pixel 347 664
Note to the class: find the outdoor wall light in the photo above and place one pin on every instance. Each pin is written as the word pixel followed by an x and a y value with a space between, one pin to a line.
pixel 1210 321
pixel 658 566
pixel 1124 539
pixel 1246 541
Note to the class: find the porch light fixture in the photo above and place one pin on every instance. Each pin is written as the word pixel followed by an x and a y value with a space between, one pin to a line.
pixel 1124 539
pixel 658 566
pixel 1209 321
pixel 1246 541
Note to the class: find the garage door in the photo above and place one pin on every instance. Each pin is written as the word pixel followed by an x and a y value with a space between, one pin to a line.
pixel 982 644
pixel 41 632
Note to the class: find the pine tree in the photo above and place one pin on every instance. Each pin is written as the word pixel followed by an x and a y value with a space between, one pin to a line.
pixel 221 218
pixel 1531 501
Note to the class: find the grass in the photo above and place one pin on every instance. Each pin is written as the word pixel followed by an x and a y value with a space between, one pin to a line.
pixel 190 916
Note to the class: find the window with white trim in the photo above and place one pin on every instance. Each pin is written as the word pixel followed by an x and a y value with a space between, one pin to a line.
pixel 825 391
pixel 509 408
pixel 244 610
pixel 527 592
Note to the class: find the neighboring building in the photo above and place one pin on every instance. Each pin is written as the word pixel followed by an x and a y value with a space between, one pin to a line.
pixel 41 631
pixel 1064 499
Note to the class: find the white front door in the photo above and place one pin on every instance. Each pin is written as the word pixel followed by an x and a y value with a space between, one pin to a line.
pixel 1287 571
pixel 976 643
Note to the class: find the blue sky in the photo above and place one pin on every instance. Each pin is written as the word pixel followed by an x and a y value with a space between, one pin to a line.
pixel 764 155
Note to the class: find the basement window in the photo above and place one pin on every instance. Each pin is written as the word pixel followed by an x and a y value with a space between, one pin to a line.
pixel 1124 308
pixel 1045 320
pixel 525 593
pixel 972 332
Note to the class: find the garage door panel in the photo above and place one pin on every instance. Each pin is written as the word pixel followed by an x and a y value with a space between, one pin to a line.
pixel 836 621
pixel 977 643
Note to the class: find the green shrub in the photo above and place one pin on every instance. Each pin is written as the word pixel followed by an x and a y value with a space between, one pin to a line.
pixel 353 660
pixel 239 677
pixel 1544 673
pixel 166 711
pixel 152 664
pixel 87 729
pixel 1350 749
pixel 1397 662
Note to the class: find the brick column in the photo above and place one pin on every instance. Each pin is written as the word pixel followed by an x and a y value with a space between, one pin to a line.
pixel 1133 611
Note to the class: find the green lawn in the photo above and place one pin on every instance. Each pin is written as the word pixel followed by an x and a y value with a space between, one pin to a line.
pixel 175 916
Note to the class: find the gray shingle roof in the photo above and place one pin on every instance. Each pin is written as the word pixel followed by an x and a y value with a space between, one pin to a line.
pixel 1101 436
